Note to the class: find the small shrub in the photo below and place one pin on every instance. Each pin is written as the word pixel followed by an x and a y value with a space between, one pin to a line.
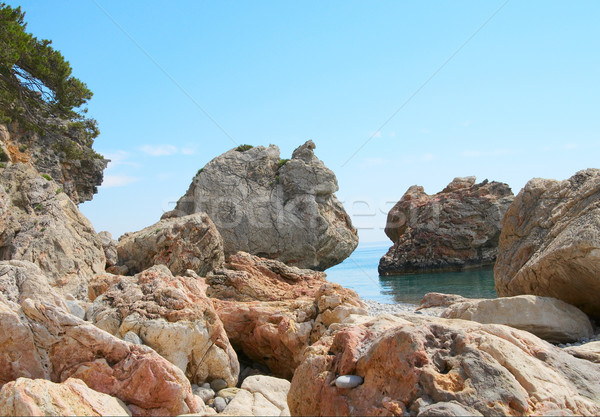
pixel 277 179
pixel 47 177
pixel 59 190
pixel 2 165
pixel 38 207
pixel 244 148
pixel 43 229
pixel 22 147
pixel 199 171
pixel 282 162
pixel 3 156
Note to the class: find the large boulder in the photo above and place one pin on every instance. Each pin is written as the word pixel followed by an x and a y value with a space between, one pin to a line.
pixel 246 277
pixel 274 208
pixel 276 333
pixel 420 365
pixel 67 157
pixel 40 224
pixel 550 242
pixel 189 242
pixel 173 316
pixel 41 341
pixel 40 397
pixel 548 318
pixel 455 229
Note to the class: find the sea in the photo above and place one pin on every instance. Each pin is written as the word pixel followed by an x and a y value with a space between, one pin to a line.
pixel 359 272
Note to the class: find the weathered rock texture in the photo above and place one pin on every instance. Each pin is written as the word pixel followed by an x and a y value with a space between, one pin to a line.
pixel 276 333
pixel 189 242
pixel 423 366
pixel 39 397
pixel 246 277
pixel 455 229
pixel 260 395
pixel 273 208
pixel 548 318
pixel 40 224
pixel 588 351
pixel 173 316
pixel 42 341
pixel 70 161
pixel 550 242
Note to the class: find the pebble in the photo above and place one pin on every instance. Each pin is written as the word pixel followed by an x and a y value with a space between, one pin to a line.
pixel 202 392
pixel 75 309
pixel 228 392
pixel 220 404
pixel 218 384
pixel 348 381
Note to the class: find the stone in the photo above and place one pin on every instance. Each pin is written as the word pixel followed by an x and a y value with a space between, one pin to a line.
pixel 548 318
pixel 276 333
pixel 189 242
pixel 410 363
pixel 550 242
pixel 69 161
pixel 246 277
pixel 261 395
pixel 220 404
pixel 40 397
pixel 348 381
pixel 75 309
pixel 42 341
pixel 228 392
pixel 173 316
pixel 132 337
pixel 455 229
pixel 588 351
pixel 42 225
pixel 218 384
pixel 204 393
pixel 110 248
pixel 273 208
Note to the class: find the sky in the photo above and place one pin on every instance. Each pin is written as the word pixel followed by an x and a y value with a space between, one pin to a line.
pixel 393 93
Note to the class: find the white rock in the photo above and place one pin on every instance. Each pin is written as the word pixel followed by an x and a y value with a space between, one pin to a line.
pixel 348 381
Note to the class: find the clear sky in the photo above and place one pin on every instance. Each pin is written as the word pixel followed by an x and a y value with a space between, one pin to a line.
pixel 393 93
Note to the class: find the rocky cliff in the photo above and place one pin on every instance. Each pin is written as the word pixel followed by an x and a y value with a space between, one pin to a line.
pixel 454 229
pixel 65 157
pixel 272 207
pixel 550 242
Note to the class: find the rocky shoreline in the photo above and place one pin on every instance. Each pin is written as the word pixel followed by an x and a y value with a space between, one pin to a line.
pixel 224 309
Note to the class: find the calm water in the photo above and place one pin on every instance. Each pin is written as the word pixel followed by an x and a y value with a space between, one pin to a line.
pixel 359 272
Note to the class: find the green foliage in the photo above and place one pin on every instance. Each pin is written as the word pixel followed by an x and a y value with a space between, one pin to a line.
pixel 3 156
pixel 38 207
pixel 36 86
pixel 277 179
pixel 199 171
pixel 282 162
pixel 22 147
pixel 47 177
pixel 2 165
pixel 59 190
pixel 244 148
pixel 71 149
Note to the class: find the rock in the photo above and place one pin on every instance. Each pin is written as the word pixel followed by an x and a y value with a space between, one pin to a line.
pixel 189 242
pixel 550 242
pixel 228 392
pixel 411 362
pixel 451 408
pixel 261 395
pixel 131 337
pixel 75 309
pixel 436 299
pixel 42 225
pixel 20 280
pixel 276 333
pixel 220 404
pixel 588 351
pixel 110 248
pixel 348 381
pixel 42 341
pixel 455 229
pixel 218 384
pixel 274 208
pixel 39 397
pixel 173 316
pixel 548 318
pixel 69 160
pixel 205 394
pixel 246 277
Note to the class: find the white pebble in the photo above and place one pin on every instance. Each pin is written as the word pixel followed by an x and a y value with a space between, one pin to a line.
pixel 348 381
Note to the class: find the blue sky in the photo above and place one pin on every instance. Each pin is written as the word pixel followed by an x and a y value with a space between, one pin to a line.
pixel 502 90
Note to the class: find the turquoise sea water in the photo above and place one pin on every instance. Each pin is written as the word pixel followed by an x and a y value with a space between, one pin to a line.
pixel 359 272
